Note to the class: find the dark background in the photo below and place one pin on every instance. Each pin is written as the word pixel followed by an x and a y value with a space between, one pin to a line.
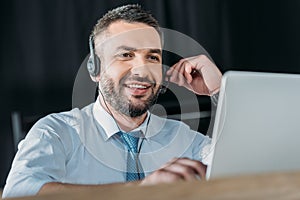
pixel 43 44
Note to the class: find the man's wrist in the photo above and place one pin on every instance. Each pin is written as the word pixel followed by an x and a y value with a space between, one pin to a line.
pixel 214 98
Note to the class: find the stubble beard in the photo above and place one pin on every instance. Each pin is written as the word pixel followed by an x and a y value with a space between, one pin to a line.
pixel 119 102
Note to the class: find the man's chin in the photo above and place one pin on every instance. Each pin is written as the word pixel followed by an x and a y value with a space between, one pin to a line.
pixel 140 103
pixel 136 110
pixel 138 99
pixel 138 106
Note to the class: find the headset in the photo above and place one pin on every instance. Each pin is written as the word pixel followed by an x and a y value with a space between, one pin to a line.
pixel 94 66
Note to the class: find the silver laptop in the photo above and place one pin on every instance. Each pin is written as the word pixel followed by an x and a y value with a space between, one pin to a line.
pixel 257 125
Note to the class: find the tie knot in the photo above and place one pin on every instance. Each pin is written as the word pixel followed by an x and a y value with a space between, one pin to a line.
pixel 130 141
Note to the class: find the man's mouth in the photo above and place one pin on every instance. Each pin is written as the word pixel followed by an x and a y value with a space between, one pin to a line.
pixel 138 88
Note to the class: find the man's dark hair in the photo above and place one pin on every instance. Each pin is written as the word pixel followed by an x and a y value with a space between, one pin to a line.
pixel 129 13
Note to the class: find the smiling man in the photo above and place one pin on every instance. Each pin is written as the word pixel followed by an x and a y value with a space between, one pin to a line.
pixel 117 139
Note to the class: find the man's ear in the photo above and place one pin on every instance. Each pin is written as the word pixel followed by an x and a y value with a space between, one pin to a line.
pixel 95 78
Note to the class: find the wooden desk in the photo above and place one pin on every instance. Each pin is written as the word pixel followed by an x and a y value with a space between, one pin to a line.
pixel 271 186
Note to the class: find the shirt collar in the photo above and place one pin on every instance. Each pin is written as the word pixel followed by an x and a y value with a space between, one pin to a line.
pixel 110 126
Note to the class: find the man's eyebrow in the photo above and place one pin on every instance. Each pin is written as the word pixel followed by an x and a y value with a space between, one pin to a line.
pixel 158 51
pixel 127 48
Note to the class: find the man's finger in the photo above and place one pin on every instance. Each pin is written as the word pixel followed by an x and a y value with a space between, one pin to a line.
pixel 199 167
pixel 185 171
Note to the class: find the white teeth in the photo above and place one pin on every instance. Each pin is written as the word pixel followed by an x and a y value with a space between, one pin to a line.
pixel 137 86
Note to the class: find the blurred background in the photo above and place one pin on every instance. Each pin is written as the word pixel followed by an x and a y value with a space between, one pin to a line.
pixel 43 44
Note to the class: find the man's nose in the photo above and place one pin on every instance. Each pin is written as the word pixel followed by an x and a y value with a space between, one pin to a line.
pixel 139 67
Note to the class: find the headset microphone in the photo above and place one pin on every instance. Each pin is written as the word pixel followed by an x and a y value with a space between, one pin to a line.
pixel 162 89
pixel 165 80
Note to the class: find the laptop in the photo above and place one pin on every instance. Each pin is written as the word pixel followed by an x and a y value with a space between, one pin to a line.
pixel 257 125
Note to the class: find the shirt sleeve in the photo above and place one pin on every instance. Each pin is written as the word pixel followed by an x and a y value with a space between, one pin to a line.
pixel 201 148
pixel 40 159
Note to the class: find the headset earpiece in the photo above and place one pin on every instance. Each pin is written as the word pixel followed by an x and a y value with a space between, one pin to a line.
pixel 93 63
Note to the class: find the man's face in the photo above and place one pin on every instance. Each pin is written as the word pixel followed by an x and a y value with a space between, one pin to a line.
pixel 131 66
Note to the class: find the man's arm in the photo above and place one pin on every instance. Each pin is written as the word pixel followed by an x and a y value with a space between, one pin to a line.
pixel 178 169
pixel 52 187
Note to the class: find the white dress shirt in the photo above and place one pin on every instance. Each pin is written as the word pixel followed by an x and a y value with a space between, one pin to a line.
pixel 82 147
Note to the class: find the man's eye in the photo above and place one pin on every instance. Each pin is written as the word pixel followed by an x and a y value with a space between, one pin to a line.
pixel 126 55
pixel 156 58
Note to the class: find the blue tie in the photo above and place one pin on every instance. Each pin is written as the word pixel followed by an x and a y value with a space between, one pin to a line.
pixel 134 170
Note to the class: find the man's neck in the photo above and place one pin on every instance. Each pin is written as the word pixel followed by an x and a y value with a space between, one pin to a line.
pixel 124 122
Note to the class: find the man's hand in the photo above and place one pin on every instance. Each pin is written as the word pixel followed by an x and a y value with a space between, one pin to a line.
pixel 178 169
pixel 198 74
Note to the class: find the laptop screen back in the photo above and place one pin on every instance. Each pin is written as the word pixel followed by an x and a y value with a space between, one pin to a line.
pixel 257 125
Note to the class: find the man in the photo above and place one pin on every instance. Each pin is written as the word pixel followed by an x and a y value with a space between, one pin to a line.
pixel 90 147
